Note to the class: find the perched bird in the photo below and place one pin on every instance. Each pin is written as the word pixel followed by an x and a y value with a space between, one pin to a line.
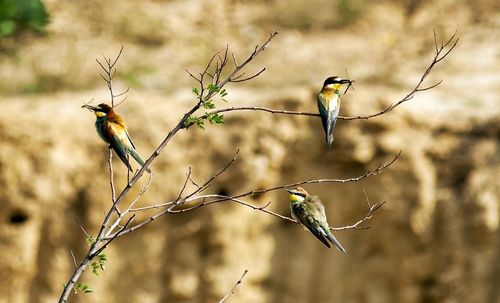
pixel 113 130
pixel 329 104
pixel 310 213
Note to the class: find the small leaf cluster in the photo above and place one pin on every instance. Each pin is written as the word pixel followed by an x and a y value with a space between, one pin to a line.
pixel 83 287
pixel 99 264
pixel 213 118
pixel 214 89
pixel 90 240
pixel 101 259
pixel 80 286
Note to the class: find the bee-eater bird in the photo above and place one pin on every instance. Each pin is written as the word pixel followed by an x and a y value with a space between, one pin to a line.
pixel 310 213
pixel 329 104
pixel 112 128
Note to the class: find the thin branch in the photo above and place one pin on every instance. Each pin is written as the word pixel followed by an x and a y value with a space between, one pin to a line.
pixel 121 101
pixel 103 234
pixel 143 190
pixel 209 181
pixel 116 235
pixel 237 78
pixel 223 198
pixel 112 182
pixel 188 175
pixel 130 206
pixel 231 292
pixel 237 198
pixel 121 94
pixel 234 60
pixel 74 259
pixel 82 229
pixel 372 209
pixel 441 52
pixel 110 72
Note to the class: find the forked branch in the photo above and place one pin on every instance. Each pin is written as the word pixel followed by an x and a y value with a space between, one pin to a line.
pixel 442 50
pixel 108 68
pixel 173 207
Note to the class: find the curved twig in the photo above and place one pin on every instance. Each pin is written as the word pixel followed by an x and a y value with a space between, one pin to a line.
pixel 441 52
pixel 231 292
pixel 237 198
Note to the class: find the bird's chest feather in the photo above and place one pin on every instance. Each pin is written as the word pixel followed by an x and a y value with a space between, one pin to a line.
pixel 330 99
pixel 299 213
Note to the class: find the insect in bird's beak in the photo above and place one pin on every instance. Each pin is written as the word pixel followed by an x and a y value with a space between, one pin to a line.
pixel 350 82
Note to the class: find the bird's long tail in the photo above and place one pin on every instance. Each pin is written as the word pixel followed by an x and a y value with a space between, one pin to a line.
pixel 336 242
pixel 330 126
pixel 137 158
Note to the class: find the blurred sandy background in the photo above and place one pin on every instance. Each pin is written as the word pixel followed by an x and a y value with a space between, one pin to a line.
pixel 436 240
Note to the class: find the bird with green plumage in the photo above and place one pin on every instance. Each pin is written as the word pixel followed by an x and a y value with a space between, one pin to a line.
pixel 310 213
pixel 328 100
pixel 112 128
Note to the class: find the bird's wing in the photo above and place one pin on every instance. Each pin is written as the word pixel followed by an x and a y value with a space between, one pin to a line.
pixel 328 107
pixel 323 110
pixel 130 139
pixel 331 122
pixel 125 142
pixel 320 213
pixel 118 140
pixel 306 219
pixel 319 208
pixel 133 152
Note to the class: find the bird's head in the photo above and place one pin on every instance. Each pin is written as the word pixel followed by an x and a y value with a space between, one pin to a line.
pixel 297 194
pixel 100 110
pixel 336 83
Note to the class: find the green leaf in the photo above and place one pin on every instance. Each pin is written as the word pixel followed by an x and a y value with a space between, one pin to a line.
pixel 194 120
pixel 212 88
pixel 102 257
pixel 208 104
pixel 90 240
pixel 200 123
pixel 195 91
pixel 215 118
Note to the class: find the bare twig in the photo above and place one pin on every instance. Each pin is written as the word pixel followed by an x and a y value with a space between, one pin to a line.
pixel 205 95
pixel 209 181
pixel 371 210
pixel 199 189
pixel 109 70
pixel 82 229
pixel 104 237
pixel 231 292
pixel 441 52
pixel 116 235
pixel 188 177
pixel 213 199
pixel 111 181
pixel 213 75
pixel 73 257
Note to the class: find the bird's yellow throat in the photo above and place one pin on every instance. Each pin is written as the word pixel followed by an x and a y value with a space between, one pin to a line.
pixel 296 198
pixel 99 114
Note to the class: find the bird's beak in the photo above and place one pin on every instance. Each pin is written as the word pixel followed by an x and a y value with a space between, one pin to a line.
pixel 90 107
pixel 289 190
